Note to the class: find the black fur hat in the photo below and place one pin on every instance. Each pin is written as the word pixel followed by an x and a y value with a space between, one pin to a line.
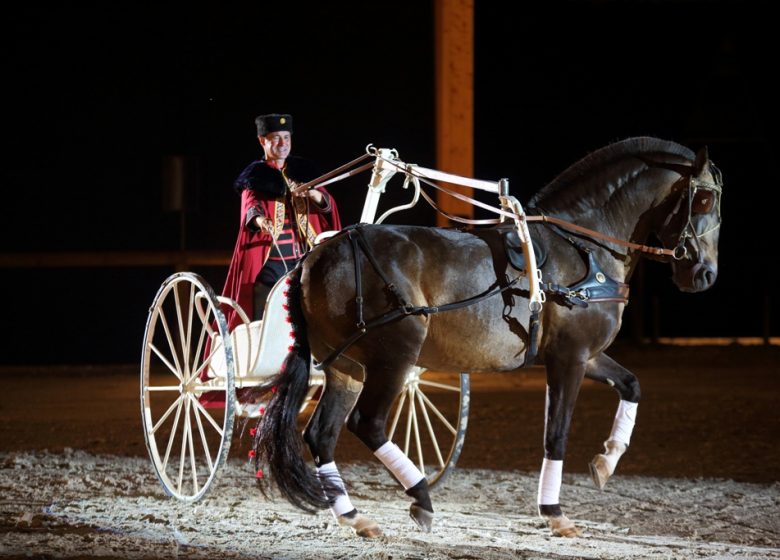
pixel 273 123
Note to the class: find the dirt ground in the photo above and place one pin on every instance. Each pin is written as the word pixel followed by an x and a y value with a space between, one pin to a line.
pixel 701 479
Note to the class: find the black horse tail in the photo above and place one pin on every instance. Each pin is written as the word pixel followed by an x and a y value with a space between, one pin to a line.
pixel 278 443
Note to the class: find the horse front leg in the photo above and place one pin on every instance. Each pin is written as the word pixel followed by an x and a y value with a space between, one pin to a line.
pixel 564 378
pixel 605 369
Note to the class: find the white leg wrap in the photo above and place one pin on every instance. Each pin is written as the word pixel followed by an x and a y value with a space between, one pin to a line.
pixel 399 464
pixel 339 503
pixel 624 422
pixel 550 482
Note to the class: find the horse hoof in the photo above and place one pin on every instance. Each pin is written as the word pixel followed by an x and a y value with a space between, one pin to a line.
pixel 562 526
pixel 599 471
pixel 422 517
pixel 363 526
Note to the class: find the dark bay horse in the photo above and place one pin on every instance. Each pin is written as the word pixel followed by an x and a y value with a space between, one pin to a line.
pixel 629 190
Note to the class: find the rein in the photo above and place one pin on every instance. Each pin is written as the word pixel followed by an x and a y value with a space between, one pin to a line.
pixel 329 178
pixel 404 308
pixel 660 251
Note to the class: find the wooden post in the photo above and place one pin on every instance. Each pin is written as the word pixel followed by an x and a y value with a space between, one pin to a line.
pixel 454 100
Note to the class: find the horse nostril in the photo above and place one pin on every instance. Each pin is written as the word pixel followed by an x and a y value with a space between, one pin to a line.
pixel 706 275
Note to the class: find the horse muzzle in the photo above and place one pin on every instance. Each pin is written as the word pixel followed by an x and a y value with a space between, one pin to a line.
pixel 697 278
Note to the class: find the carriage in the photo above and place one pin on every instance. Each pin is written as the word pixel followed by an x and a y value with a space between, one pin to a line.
pixel 443 299
pixel 197 378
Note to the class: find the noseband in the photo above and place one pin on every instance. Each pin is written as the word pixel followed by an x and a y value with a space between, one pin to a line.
pixel 703 197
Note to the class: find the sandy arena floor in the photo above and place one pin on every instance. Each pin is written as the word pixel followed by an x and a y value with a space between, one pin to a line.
pixel 701 479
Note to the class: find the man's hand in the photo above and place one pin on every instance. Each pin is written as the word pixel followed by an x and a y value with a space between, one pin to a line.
pixel 314 195
pixel 264 224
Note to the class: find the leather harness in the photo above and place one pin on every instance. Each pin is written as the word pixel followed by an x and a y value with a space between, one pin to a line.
pixel 596 287
pixel 403 309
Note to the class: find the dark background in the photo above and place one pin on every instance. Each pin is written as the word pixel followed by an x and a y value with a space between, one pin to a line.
pixel 95 98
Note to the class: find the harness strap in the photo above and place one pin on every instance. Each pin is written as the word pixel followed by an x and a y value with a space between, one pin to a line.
pixel 404 308
pixel 592 233
pixel 657 251
pixel 534 322
pixel 596 287
pixel 372 259
pixel 361 324
pixel 543 218
pixel 401 312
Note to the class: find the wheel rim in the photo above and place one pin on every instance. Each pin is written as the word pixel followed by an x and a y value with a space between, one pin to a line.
pixel 188 440
pixel 429 422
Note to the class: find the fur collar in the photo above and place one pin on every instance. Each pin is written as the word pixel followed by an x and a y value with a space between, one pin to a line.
pixel 264 179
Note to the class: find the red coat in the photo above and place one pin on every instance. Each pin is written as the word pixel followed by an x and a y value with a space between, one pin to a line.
pixel 253 247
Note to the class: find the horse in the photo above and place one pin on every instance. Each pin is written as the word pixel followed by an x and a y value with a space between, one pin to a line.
pixel 371 303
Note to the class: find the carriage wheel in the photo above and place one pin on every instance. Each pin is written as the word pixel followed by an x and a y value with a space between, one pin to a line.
pixel 187 412
pixel 429 421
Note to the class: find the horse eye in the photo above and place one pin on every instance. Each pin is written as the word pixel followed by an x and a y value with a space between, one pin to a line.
pixel 703 202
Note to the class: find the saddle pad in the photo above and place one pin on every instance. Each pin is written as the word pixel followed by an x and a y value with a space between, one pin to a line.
pixel 514 251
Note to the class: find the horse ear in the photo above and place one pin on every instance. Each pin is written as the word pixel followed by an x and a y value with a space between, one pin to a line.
pixel 702 157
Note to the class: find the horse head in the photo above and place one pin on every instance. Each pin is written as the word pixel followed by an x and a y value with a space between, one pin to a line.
pixel 692 226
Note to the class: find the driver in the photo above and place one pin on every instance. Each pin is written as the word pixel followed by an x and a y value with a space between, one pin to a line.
pixel 277 228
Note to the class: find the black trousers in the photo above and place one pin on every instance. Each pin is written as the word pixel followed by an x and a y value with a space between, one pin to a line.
pixel 269 275
pixel 273 270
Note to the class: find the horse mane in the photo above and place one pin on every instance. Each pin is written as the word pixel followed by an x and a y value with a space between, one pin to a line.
pixel 597 173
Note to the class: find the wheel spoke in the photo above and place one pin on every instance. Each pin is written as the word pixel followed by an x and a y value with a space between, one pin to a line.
pixel 208 416
pixel 439 385
pixel 431 432
pixel 182 335
pixel 191 447
pixel 162 388
pixel 204 365
pixel 173 434
pixel 409 413
pixel 188 339
pixel 171 345
pixel 167 413
pixel 183 450
pixel 438 414
pixel 413 410
pixel 201 339
pixel 164 360
pixel 202 435
pixel 397 415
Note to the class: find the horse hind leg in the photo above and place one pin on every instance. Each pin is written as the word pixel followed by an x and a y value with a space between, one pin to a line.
pixel 605 369
pixel 321 434
pixel 367 421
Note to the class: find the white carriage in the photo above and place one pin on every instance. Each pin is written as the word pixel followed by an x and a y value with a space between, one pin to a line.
pixel 196 377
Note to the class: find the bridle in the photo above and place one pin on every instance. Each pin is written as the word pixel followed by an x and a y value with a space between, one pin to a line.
pixel 702 198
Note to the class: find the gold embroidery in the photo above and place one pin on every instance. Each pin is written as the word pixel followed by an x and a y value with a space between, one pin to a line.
pixel 278 216
pixel 300 208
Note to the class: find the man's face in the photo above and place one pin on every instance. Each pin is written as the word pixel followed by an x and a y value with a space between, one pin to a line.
pixel 276 145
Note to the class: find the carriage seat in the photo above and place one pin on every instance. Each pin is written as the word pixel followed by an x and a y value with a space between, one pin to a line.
pixel 245 340
pixel 259 347
pixel 514 250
